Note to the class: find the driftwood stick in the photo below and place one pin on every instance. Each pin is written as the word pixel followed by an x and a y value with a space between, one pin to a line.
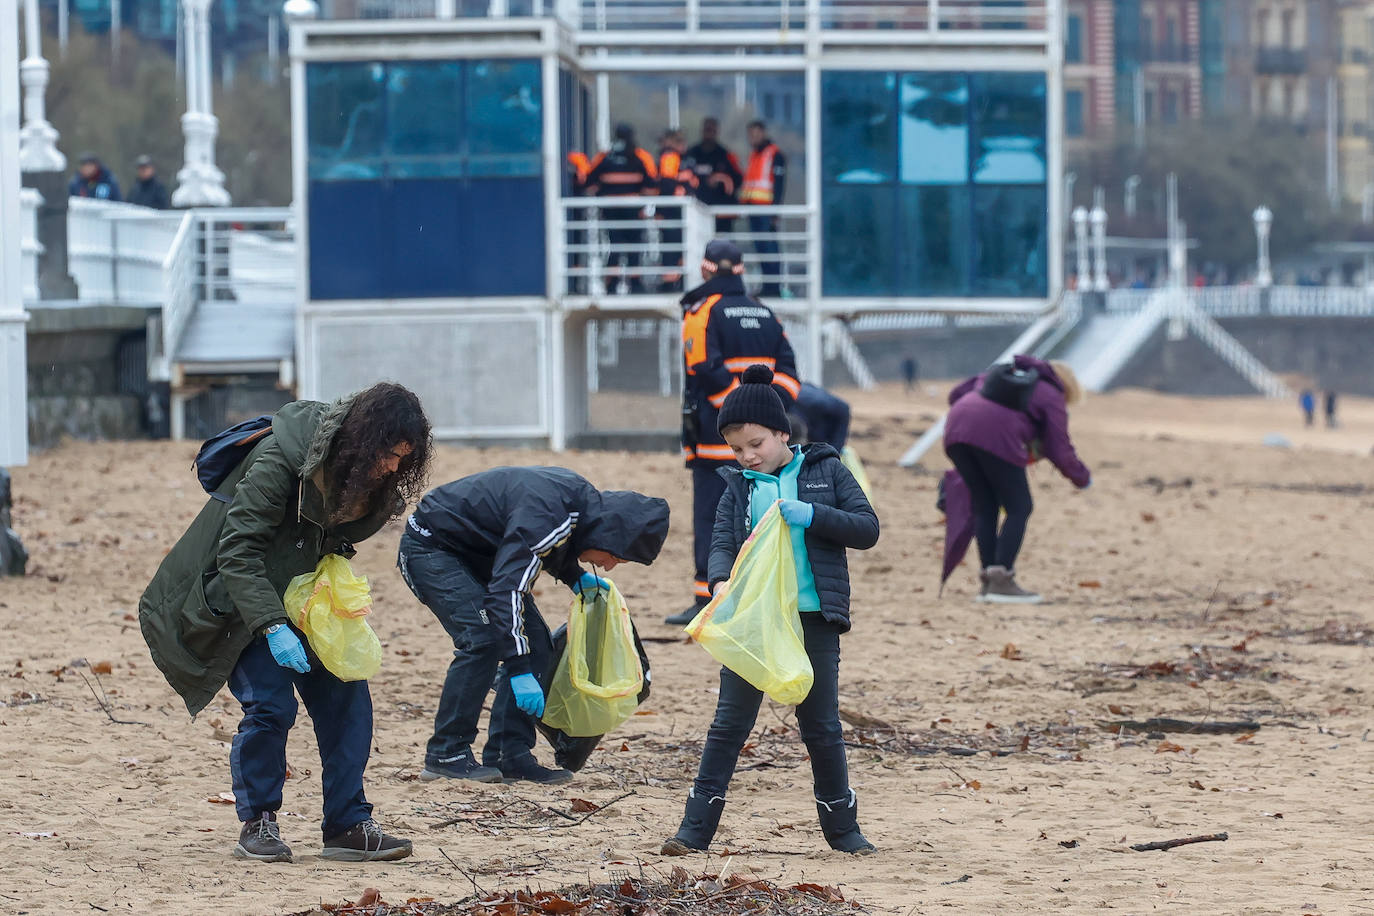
pixel 1182 725
pixel 104 703
pixel 863 720
pixel 1170 844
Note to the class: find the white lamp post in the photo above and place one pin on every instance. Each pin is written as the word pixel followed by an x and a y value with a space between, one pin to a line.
pixel 1098 218
pixel 1080 240
pixel 309 9
pixel 37 139
pixel 199 183
pixel 1132 190
pixel 1264 219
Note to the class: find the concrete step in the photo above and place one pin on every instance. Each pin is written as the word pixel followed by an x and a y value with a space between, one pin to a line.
pixel 238 333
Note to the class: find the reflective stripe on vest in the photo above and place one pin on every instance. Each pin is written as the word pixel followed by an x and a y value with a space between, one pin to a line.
pixel 758 183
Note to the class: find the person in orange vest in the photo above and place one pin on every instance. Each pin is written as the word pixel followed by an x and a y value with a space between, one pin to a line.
pixel 764 183
pixel 622 171
pixel 673 181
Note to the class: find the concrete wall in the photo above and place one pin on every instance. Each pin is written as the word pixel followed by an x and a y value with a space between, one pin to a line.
pixel 1335 352
pixel 943 353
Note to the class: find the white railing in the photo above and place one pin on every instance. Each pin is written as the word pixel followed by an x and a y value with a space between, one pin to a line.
pixel 1235 354
pixel 1323 301
pixel 29 247
pixel 941 17
pixel 1227 301
pixel 247 254
pixel 1238 301
pixel 1112 358
pixel 779 245
pixel 840 345
pixel 115 250
pixel 178 296
pixel 622 246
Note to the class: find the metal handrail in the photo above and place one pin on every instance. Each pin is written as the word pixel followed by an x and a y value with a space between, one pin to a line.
pixel 178 293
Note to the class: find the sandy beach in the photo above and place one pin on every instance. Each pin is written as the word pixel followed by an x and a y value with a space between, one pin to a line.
pixel 1204 577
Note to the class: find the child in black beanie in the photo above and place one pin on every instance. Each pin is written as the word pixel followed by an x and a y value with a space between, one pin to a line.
pixel 826 512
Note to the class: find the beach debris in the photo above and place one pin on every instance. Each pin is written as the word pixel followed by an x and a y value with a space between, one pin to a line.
pixel 1274 440
pixel 1182 725
pixel 1163 845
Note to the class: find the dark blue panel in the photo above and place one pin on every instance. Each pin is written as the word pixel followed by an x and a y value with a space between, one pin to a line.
pixel 860 240
pixel 1009 241
pixel 425 239
pixel 348 240
pixel 503 238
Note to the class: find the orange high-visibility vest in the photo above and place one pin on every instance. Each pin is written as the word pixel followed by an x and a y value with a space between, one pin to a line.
pixel 582 166
pixel 758 182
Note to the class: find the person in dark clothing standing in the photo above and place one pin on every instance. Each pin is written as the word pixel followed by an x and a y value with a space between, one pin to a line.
pixel 1330 405
pixel 764 185
pixel 148 191
pixel 471 552
pixel 93 180
pixel 624 170
pixel 1308 402
pixel 909 373
pixel 724 332
pixel 991 443
pixel 717 172
pixel 826 514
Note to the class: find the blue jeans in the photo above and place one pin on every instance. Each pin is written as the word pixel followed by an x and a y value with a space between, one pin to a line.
pixel 818 717
pixel 341 712
pixel 448 588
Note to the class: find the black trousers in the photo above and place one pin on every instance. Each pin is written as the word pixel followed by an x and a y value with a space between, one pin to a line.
pixel 707 489
pixel 995 486
pixel 818 717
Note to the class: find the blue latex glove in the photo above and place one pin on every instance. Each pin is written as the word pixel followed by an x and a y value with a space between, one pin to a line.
pixel 528 695
pixel 287 650
pixel 795 512
pixel 588 581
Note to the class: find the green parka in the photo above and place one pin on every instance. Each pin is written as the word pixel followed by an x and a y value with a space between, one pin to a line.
pixel 223 581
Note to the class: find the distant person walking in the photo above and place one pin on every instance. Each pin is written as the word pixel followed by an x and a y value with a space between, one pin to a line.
pixel 93 180
pixel 1308 402
pixel 909 373
pixel 148 190
pixel 999 423
pixel 1331 422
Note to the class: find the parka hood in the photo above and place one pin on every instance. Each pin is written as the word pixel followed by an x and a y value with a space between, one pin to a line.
pixel 305 429
pixel 627 525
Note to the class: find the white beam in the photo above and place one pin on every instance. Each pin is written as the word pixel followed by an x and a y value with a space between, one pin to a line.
pixel 14 437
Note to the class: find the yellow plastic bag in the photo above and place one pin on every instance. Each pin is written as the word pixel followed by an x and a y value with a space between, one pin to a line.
pixel 596 685
pixel 329 605
pixel 850 459
pixel 752 627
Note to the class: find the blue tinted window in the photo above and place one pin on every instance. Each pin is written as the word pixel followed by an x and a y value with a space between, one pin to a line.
pixel 1008 128
pixel 859 127
pixel 1073 39
pixel 860 246
pixel 424 119
pixel 1073 113
pixel 346 126
pixel 936 245
pixel 1010 257
pixel 934 128
pixel 505 105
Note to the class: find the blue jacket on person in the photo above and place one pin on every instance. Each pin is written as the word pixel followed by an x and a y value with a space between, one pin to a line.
pixel 103 187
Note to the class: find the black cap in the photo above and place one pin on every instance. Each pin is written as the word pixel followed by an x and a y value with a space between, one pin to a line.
pixel 754 401
pixel 722 253
pixel 87 157
pixel 624 132
pixel 143 160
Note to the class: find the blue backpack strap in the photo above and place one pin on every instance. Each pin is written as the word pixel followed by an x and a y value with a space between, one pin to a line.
pixel 223 452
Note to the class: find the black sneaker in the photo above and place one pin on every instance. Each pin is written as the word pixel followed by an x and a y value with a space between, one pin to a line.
pixel 682 618
pixel 365 842
pixel 461 766
pixel 527 769
pixel 260 839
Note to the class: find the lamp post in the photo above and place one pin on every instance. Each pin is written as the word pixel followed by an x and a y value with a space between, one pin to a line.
pixel 1264 219
pixel 1080 239
pixel 1132 189
pixel 1098 218
pixel 200 182
pixel 37 139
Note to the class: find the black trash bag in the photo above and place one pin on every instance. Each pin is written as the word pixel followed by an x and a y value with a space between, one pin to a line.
pixel 568 752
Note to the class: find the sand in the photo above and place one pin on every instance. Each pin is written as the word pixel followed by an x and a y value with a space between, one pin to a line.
pixel 1221 572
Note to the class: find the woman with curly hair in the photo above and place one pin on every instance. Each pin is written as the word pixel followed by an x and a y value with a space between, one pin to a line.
pixel 323 478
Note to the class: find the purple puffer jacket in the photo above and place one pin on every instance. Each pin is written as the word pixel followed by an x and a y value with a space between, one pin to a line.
pixel 1007 433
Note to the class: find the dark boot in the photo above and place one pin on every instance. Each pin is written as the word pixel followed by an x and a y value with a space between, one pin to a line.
pixel 699 823
pixel 527 769
pixel 684 617
pixel 840 824
pixel 260 839
pixel 459 766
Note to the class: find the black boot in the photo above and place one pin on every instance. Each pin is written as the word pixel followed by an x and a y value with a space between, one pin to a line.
pixel 699 823
pixel 840 824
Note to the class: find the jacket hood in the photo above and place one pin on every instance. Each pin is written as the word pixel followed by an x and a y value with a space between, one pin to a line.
pixel 627 525
pixel 722 284
pixel 1046 371
pixel 305 429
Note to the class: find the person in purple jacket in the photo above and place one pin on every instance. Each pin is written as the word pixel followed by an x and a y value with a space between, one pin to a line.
pixel 999 423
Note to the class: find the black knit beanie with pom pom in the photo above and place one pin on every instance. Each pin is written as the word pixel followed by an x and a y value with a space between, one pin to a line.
pixel 754 401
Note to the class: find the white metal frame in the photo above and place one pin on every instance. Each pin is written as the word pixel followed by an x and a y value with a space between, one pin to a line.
pixel 14 412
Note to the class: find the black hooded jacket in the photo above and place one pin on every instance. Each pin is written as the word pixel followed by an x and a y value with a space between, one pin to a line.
pixel 843 518
pixel 507 524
